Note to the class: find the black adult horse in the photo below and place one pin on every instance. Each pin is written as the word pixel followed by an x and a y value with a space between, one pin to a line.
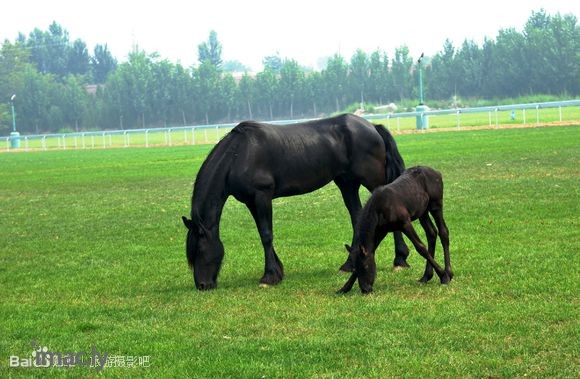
pixel 258 162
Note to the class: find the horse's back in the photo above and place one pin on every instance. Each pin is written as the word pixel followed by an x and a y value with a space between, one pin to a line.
pixel 301 157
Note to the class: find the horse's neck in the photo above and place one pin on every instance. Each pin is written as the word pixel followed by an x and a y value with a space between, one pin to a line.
pixel 209 198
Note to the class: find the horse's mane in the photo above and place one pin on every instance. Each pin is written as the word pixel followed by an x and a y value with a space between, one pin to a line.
pixel 217 163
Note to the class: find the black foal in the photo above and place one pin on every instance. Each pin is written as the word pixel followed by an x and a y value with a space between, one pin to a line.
pixel 415 194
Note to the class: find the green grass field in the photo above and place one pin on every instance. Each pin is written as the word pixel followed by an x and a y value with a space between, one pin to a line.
pixel 92 254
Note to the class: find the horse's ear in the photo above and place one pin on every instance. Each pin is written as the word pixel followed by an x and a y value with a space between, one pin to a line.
pixel 348 248
pixel 188 223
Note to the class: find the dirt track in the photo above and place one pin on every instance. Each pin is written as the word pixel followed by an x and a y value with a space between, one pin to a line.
pixel 487 127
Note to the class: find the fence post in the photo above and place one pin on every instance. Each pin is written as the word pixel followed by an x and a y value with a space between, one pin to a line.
pixel 458 125
pixel 147 138
pixel 538 115
pixel 43 143
pixel 560 110
pixel 64 141
pixel 169 136
pixel 524 113
pixel 496 120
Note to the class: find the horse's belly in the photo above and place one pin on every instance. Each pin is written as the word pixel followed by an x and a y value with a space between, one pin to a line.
pixel 298 185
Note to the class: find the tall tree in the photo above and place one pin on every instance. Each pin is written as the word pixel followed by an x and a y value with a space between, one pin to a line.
pixel 359 75
pixel 401 71
pixel 78 58
pixel 211 50
pixel 335 78
pixel 247 92
pixel 102 63
pixel 291 83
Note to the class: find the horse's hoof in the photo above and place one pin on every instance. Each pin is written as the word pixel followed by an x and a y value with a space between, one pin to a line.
pixel 263 285
pixel 398 266
pixel 270 280
pixel 425 279
pixel 445 279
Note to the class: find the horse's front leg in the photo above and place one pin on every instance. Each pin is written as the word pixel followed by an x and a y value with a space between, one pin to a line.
pixel 351 198
pixel 261 209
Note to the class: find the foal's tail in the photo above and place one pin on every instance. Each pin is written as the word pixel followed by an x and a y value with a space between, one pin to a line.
pixel 395 164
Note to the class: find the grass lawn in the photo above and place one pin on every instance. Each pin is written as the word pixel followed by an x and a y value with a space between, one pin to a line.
pixel 92 254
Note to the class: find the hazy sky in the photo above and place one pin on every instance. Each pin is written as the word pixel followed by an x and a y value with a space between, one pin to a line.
pixel 251 29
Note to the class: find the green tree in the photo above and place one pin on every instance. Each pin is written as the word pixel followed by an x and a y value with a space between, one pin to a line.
pixel 207 78
pixel 291 83
pixel 273 63
pixel 267 88
pixel 359 75
pixel 78 58
pixel 335 78
pixel 211 50
pixel 102 63
pixel 74 101
pixel 50 49
pixel 247 87
pixel 401 72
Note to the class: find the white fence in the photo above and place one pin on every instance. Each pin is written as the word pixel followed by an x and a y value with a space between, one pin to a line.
pixel 206 134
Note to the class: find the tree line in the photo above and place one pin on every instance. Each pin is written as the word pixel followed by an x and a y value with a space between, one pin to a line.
pixel 60 85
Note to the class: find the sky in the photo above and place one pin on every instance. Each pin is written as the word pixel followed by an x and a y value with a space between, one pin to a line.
pixel 249 30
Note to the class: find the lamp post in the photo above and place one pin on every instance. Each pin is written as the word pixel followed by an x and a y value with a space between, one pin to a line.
pixel 420 79
pixel 422 119
pixel 14 136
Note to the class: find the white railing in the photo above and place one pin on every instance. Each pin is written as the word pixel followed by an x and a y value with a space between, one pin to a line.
pixel 207 134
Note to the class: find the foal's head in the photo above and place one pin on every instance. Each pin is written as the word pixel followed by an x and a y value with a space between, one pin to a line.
pixel 365 267
pixel 205 253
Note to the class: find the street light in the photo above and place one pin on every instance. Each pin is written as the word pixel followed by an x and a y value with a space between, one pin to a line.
pixel 420 79
pixel 422 119
pixel 13 115
pixel 14 136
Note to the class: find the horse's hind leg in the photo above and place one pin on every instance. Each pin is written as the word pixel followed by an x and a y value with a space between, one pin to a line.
pixel 412 235
pixel 351 198
pixel 261 210
pixel 431 234
pixel 444 236
pixel 401 251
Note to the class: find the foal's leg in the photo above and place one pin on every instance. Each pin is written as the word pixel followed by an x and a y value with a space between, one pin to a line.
pixel 412 235
pixel 431 234
pixel 261 210
pixel 401 251
pixel 351 198
pixel 444 236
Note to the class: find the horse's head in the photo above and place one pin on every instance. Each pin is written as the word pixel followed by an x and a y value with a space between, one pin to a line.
pixel 364 267
pixel 205 253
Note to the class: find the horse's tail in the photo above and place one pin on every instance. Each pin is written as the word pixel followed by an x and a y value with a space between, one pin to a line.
pixel 395 164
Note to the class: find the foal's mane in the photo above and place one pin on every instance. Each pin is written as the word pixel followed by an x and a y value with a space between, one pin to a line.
pixel 367 221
